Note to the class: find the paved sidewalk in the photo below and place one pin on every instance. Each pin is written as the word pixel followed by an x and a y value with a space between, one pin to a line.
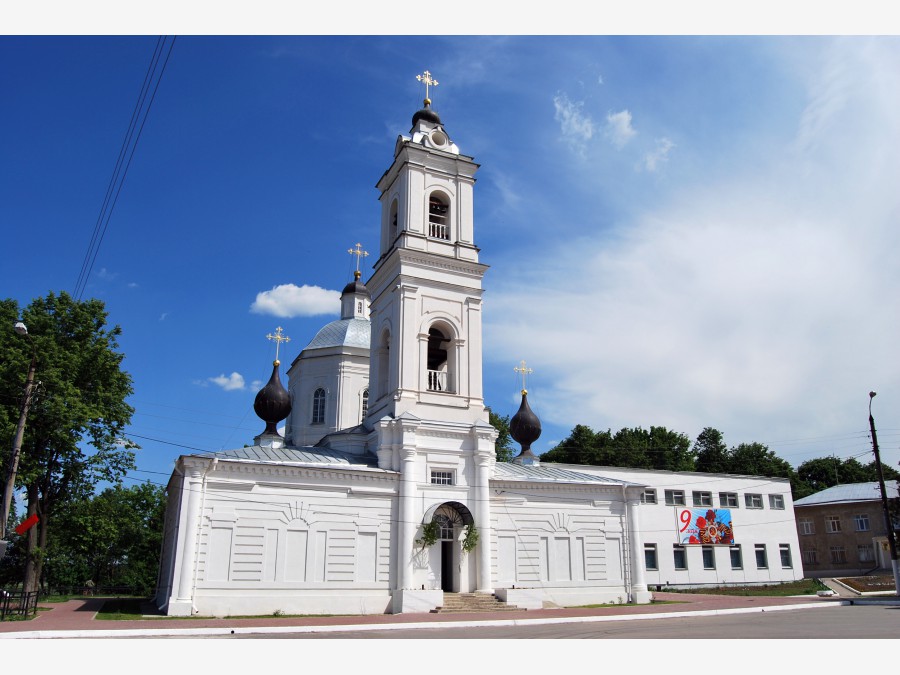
pixel 76 618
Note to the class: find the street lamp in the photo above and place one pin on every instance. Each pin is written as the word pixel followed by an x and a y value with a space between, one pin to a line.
pixel 10 485
pixel 884 500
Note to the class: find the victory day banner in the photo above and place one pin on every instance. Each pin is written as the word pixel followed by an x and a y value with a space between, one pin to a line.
pixel 705 526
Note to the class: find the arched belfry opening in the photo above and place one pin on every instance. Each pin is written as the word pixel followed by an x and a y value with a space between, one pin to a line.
pixel 438 216
pixel 440 356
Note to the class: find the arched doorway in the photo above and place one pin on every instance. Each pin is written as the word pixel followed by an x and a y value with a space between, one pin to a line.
pixel 447 555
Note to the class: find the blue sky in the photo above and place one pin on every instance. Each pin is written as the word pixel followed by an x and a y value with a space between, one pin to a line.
pixel 682 231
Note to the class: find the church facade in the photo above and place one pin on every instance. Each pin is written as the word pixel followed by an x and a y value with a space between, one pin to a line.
pixel 384 493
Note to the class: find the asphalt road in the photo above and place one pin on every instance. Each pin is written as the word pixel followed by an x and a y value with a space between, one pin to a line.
pixel 858 622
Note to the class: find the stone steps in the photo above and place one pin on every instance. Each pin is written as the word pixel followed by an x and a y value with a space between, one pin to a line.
pixel 455 603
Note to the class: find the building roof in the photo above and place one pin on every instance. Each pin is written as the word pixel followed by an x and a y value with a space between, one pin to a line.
pixel 305 455
pixel 343 333
pixel 851 492
pixel 525 472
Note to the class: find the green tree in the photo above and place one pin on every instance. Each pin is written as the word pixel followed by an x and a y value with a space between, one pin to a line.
pixel 504 444
pixel 73 438
pixel 825 472
pixel 582 446
pixel 711 452
pixel 112 538
pixel 755 459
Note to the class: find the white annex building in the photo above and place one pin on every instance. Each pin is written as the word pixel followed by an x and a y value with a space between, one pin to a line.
pixel 384 494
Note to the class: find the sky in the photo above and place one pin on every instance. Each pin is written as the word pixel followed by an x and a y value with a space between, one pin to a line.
pixel 682 231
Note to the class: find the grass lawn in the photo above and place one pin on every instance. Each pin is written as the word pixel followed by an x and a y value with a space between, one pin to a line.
pixel 802 587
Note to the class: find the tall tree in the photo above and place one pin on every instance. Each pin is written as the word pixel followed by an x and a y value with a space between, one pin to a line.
pixel 825 472
pixel 582 446
pixel 73 438
pixel 711 452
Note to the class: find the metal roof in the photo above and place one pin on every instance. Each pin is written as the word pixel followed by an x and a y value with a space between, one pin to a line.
pixel 343 333
pixel 524 472
pixel 301 455
pixel 851 492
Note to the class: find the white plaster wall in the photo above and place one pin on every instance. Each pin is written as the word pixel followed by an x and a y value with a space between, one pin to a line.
pixel 301 542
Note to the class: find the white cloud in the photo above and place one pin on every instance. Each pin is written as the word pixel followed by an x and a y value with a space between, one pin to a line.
pixel 106 275
pixel 618 128
pixel 132 284
pixel 232 382
pixel 162 317
pixel 659 155
pixel 256 385
pixel 288 300
pixel 576 127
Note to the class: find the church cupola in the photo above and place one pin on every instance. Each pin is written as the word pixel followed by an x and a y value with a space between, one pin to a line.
pixel 525 427
pixel 355 297
pixel 273 403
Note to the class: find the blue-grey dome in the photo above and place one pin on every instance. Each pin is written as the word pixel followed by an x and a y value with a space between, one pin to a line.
pixel 343 333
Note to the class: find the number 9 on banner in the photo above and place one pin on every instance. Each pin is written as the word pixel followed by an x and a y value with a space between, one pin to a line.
pixel 685 518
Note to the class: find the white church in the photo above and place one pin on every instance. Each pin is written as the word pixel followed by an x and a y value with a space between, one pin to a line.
pixel 384 495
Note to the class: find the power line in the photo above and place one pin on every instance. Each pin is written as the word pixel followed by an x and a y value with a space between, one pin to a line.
pixel 138 120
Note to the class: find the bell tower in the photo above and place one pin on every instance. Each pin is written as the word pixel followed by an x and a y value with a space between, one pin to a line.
pixel 426 288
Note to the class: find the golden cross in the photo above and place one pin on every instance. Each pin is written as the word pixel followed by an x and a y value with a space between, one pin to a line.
pixel 525 371
pixel 359 253
pixel 428 80
pixel 278 338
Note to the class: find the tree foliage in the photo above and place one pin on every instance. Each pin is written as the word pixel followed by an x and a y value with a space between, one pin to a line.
pixel 504 444
pixel 825 472
pixel 73 438
pixel 654 448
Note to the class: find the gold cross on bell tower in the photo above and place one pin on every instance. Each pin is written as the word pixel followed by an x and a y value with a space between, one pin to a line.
pixel 429 81
pixel 524 371
pixel 278 338
pixel 359 253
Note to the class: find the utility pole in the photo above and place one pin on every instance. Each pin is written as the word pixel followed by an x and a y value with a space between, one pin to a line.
pixel 884 501
pixel 13 469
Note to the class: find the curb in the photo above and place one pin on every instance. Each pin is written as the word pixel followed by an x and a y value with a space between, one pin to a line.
pixel 193 632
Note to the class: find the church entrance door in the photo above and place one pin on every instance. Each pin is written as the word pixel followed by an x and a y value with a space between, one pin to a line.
pixel 447 566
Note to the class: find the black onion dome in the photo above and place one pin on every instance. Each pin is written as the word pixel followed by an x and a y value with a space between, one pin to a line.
pixel 273 403
pixel 426 114
pixel 355 287
pixel 525 427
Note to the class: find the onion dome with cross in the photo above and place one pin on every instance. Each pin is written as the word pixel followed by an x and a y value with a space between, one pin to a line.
pixel 525 427
pixel 427 128
pixel 273 403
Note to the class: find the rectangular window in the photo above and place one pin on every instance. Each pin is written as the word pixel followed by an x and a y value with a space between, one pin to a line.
pixel 838 555
pixel 776 501
pixel 810 557
pixel 762 560
pixel 866 553
pixel 784 551
pixel 806 526
pixel 650 557
pixel 675 497
pixel 441 477
pixel 728 500
pixel 753 501
pixel 679 555
pixel 709 558
pixel 648 496
pixel 737 560
pixel 832 524
pixel 862 522
pixel 702 498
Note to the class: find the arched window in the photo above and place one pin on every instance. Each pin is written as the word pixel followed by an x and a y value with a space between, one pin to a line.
pixel 365 403
pixel 438 221
pixel 394 211
pixel 318 409
pixel 438 375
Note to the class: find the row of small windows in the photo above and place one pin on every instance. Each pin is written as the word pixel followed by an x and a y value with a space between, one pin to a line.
pixel 833 524
pixel 703 498
pixel 318 405
pixel 708 557
pixel 837 555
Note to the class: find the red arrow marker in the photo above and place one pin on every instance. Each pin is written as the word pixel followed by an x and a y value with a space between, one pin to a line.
pixel 26 525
